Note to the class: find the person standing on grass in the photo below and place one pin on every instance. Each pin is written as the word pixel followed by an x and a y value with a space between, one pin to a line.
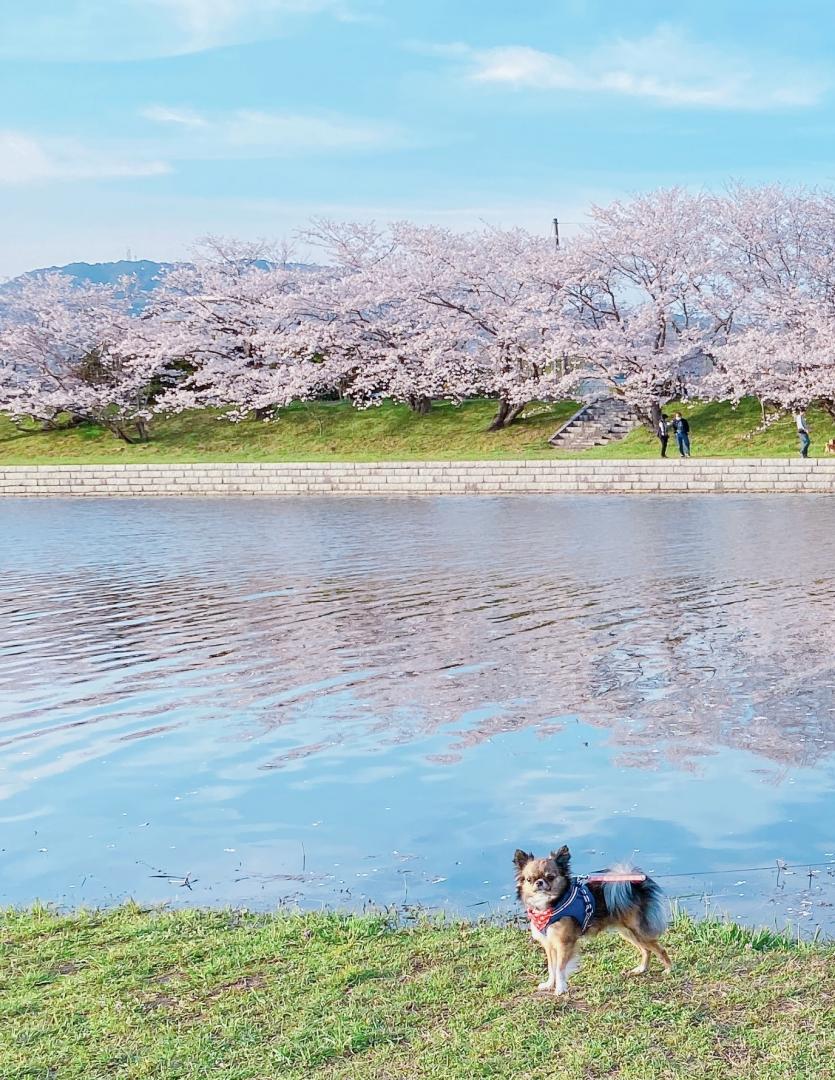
pixel 682 430
pixel 663 433
pixel 802 432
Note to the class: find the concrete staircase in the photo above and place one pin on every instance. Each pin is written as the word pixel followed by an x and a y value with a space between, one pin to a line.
pixel 598 422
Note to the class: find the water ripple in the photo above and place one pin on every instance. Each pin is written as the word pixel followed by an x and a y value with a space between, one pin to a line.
pixel 271 652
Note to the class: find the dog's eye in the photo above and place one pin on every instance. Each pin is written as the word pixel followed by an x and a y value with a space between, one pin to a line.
pixel 549 877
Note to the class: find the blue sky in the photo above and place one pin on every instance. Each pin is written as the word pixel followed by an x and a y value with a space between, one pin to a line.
pixel 144 124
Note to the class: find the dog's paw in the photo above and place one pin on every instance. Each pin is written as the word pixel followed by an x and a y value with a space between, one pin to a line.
pixel 639 970
pixel 547 985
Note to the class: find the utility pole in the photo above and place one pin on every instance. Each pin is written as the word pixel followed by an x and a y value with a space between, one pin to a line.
pixel 562 368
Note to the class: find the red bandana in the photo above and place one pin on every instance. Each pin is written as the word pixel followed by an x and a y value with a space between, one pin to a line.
pixel 540 919
pixel 576 903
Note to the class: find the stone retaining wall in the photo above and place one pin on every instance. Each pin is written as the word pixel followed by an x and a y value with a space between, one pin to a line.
pixel 424 477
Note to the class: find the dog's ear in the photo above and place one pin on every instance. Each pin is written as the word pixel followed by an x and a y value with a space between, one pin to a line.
pixel 562 858
pixel 521 858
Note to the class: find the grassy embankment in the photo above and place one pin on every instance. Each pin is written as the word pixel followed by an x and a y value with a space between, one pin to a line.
pixel 337 432
pixel 199 994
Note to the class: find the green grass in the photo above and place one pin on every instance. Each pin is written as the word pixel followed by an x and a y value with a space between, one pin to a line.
pixel 210 994
pixel 321 431
pixel 335 431
pixel 718 430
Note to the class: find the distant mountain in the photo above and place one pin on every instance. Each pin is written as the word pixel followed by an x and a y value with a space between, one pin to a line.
pixel 146 272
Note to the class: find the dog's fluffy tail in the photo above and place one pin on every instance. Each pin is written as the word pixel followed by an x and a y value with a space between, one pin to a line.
pixel 647 896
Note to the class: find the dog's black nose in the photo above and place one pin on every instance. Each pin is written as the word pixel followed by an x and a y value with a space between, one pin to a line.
pixel 540 884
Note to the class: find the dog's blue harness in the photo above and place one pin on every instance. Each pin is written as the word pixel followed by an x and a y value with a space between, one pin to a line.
pixel 578 905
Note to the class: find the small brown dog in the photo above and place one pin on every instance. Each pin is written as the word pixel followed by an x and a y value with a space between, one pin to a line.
pixel 830 446
pixel 562 909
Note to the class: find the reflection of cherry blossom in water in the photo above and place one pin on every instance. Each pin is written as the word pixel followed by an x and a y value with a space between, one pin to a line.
pixel 258 679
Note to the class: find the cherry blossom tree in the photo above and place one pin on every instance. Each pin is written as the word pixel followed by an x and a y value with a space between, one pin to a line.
pixel 648 300
pixel 777 250
pixel 76 349
pixel 666 293
pixel 502 291
pixel 232 319
pixel 451 314
pixel 787 361
pixel 373 326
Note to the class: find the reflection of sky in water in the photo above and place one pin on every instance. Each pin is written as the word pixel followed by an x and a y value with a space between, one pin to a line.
pixel 339 700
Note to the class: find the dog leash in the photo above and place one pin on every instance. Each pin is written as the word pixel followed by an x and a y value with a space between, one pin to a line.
pixel 637 878
pixel 605 878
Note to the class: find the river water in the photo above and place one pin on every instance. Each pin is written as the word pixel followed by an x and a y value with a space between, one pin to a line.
pixel 337 701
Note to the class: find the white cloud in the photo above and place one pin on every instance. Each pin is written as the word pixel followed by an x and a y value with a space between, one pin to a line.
pixel 207 23
pixel 664 67
pixel 25 159
pixel 184 134
pixel 252 133
pixel 184 117
pixel 140 29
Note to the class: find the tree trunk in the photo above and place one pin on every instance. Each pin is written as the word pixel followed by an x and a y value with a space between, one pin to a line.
pixel 120 431
pixel 828 406
pixel 50 423
pixel 651 417
pixel 505 415
pixel 419 403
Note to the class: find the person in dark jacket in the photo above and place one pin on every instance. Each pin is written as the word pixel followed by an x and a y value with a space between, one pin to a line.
pixel 682 430
pixel 663 433
pixel 802 432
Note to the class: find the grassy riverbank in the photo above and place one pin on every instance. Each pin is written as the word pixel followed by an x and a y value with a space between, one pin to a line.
pixel 196 994
pixel 336 432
